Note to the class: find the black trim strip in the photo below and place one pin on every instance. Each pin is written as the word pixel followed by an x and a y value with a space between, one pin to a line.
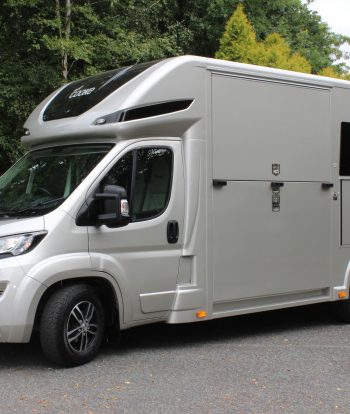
pixel 157 109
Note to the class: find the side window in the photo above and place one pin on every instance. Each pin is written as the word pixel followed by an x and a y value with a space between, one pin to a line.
pixel 146 176
pixel 152 183
pixel 120 174
pixel 344 165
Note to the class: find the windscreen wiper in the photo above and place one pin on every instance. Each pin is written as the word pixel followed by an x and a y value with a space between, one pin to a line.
pixel 54 200
pixel 37 207
pixel 31 209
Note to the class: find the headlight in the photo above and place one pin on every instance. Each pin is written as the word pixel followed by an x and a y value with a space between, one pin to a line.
pixel 19 243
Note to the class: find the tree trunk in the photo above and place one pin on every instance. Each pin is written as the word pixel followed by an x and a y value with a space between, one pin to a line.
pixel 67 23
pixel 64 34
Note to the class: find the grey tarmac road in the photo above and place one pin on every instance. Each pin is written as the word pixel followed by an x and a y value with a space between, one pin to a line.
pixel 290 361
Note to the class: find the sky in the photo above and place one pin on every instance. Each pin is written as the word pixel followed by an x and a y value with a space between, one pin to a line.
pixel 336 14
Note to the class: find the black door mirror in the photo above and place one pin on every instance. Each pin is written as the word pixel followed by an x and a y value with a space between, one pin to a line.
pixel 110 207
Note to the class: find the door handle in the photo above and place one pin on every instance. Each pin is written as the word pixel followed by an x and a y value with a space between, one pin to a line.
pixel 173 231
pixel 275 185
pixel 327 186
pixel 219 183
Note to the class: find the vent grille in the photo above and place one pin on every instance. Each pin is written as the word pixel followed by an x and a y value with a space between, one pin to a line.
pixel 145 111
pixel 161 108
pixel 3 286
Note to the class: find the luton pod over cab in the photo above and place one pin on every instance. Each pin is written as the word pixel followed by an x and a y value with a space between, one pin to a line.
pixel 180 190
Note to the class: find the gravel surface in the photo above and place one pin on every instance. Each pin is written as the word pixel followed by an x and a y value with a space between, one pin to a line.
pixel 290 361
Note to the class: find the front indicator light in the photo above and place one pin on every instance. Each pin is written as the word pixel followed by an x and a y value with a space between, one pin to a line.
pixel 19 243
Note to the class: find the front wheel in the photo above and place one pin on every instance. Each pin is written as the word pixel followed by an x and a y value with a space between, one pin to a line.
pixel 72 325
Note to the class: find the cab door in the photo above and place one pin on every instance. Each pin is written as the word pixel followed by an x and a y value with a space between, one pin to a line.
pixel 144 255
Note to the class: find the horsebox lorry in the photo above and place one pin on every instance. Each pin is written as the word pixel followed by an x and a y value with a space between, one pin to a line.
pixel 180 190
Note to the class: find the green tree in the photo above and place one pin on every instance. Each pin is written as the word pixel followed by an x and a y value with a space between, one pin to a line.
pixel 276 53
pixel 292 19
pixel 46 42
pixel 239 43
pixel 67 39
pixel 299 26
pixel 329 72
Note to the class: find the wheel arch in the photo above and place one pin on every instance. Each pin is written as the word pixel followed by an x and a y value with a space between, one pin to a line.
pixel 107 290
pixel 75 268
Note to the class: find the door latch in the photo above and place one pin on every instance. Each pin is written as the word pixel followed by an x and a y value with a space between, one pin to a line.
pixel 276 197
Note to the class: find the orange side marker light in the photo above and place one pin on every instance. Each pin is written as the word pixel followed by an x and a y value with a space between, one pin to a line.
pixel 201 314
pixel 342 295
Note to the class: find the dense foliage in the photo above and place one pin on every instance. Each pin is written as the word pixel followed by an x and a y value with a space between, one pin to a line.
pixel 239 43
pixel 46 42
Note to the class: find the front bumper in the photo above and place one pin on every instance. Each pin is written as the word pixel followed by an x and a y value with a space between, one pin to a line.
pixel 19 298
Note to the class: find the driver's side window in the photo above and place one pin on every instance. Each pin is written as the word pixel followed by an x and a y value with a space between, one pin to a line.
pixel 146 175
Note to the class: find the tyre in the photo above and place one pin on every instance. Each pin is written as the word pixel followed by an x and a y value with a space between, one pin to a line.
pixel 72 325
pixel 341 310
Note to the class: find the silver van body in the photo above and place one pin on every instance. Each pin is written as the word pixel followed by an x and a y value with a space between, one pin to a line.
pixel 259 204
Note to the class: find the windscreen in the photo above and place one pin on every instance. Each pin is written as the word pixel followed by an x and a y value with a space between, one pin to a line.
pixel 41 180
pixel 78 97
